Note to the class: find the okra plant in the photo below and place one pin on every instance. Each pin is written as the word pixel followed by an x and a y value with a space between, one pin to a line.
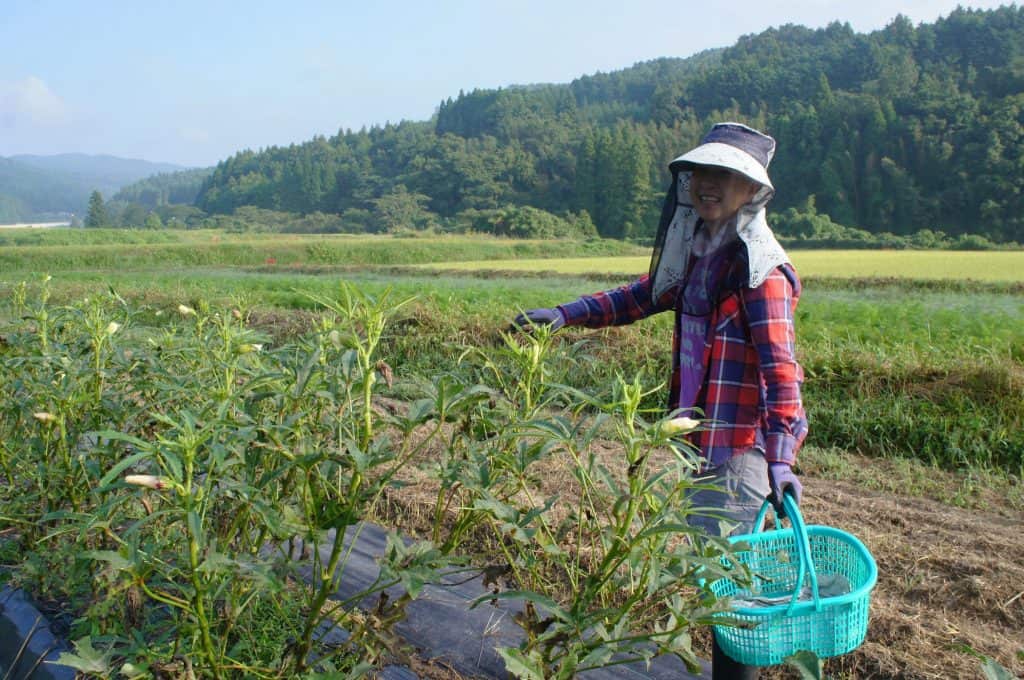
pixel 179 482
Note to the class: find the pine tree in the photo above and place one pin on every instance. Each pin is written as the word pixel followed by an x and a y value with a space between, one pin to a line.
pixel 97 215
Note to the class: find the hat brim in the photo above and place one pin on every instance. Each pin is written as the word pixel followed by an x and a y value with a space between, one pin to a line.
pixel 724 156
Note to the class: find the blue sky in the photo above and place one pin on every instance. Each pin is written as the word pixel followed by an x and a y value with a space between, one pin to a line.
pixel 193 81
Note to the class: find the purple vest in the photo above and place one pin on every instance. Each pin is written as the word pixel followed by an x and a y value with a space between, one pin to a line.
pixel 699 297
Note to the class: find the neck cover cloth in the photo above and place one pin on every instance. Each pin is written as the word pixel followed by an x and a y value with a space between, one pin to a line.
pixel 743 150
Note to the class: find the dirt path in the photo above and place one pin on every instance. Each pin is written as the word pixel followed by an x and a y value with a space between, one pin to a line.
pixel 950 581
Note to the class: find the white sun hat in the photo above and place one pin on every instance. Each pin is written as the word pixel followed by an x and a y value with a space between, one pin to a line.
pixel 738 148
pixel 735 147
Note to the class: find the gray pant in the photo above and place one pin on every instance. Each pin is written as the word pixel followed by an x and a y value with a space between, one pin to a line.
pixel 742 487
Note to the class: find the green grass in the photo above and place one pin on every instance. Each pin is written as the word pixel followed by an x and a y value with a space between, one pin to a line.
pixel 925 368
pixel 975 489
pixel 82 237
pixel 115 250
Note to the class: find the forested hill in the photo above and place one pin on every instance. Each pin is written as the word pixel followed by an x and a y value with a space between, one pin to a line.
pixel 904 129
pixel 166 188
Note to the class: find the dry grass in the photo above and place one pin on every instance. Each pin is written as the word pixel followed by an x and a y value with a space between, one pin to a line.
pixel 949 582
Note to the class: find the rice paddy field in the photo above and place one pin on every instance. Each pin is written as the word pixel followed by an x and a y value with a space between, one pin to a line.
pixel 992 266
pixel 914 365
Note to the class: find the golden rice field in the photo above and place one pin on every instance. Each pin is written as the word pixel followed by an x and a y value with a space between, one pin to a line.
pixel 992 266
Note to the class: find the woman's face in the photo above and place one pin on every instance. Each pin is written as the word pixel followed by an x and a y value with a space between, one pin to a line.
pixel 718 194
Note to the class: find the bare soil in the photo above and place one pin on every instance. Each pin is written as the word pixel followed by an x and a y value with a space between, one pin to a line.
pixel 950 582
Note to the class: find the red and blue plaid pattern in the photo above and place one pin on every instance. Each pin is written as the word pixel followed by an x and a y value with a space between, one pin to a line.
pixel 751 394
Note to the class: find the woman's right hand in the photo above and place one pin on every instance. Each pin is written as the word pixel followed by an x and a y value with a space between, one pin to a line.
pixel 543 316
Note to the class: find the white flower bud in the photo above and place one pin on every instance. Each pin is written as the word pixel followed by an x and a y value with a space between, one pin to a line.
pixel 148 481
pixel 682 424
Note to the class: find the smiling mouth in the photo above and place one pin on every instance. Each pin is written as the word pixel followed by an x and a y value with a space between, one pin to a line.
pixel 705 198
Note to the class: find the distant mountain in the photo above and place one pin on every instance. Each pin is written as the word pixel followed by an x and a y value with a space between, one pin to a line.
pixel 108 172
pixel 37 186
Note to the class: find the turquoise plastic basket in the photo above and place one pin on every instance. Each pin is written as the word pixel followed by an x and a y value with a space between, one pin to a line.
pixel 782 561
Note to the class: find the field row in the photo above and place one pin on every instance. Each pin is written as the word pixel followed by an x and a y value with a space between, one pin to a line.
pixel 63 249
pixel 990 266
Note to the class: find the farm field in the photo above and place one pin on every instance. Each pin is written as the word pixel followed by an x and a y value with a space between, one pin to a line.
pixel 914 363
pixel 77 249
pixel 993 266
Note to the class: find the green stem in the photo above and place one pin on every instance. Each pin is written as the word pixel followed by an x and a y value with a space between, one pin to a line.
pixel 369 377
pixel 198 586
pixel 169 600
pixel 323 592
pixel 98 369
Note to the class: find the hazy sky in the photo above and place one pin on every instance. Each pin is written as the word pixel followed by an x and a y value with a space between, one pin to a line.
pixel 193 81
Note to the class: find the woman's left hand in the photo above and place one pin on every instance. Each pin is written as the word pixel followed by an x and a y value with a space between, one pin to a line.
pixel 783 479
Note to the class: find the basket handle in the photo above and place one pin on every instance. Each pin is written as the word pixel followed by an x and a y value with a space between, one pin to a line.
pixel 803 543
pixel 803 546
pixel 762 515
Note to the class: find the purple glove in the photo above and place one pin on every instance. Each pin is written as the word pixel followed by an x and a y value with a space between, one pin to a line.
pixel 550 317
pixel 782 479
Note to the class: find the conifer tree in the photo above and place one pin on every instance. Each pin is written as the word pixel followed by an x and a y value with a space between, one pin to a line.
pixel 97 214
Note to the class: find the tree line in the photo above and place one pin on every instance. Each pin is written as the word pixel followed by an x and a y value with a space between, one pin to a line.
pixel 904 130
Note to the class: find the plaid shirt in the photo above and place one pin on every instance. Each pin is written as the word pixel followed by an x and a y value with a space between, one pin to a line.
pixel 751 392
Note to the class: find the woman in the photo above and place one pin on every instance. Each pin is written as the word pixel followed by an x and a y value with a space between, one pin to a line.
pixel 718 266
